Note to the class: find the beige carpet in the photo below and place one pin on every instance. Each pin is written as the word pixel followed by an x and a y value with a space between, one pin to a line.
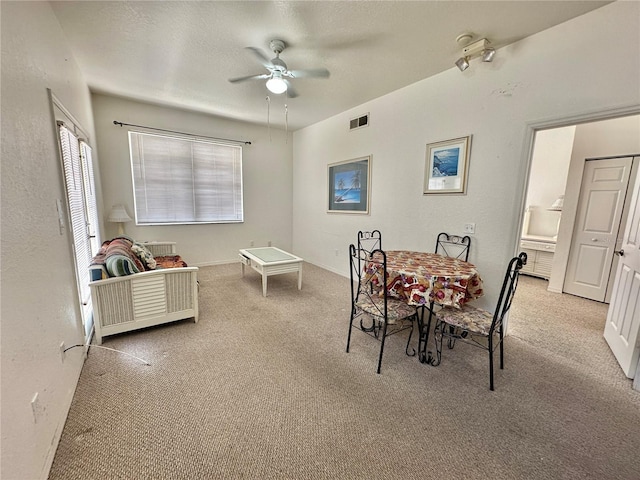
pixel 261 388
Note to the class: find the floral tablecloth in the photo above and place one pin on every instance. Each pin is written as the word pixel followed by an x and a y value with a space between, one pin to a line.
pixel 422 277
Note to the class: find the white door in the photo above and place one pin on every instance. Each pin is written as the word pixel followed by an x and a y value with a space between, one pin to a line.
pixel 622 330
pixel 602 198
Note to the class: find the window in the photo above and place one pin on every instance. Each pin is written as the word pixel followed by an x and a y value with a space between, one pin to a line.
pixel 181 181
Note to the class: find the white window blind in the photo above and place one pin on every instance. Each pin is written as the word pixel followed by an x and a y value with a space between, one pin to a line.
pixel 73 176
pixel 179 181
pixel 90 197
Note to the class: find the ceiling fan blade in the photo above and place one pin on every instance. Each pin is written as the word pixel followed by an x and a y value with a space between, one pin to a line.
pixel 262 58
pixel 250 77
pixel 291 92
pixel 312 73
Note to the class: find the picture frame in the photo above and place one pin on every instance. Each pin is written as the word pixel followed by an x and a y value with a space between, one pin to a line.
pixel 446 166
pixel 349 186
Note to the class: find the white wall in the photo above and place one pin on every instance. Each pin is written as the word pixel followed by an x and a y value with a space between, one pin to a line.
pixel 550 165
pixel 567 70
pixel 39 295
pixel 547 179
pixel 267 177
pixel 589 64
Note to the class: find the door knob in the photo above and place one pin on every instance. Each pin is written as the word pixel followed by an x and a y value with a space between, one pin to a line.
pixel 619 252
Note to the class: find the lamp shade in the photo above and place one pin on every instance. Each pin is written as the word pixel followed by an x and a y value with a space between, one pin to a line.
pixel 118 214
pixel 558 204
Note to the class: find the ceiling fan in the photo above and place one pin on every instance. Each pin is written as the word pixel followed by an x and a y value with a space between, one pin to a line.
pixel 278 72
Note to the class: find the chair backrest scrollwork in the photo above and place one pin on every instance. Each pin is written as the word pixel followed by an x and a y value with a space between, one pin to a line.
pixel 369 241
pixel 508 290
pixel 453 246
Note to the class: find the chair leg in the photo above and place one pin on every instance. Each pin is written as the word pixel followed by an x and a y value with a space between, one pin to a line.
pixel 490 363
pixel 452 341
pixel 438 337
pixel 384 337
pixel 501 349
pixel 413 350
pixel 350 329
pixel 423 333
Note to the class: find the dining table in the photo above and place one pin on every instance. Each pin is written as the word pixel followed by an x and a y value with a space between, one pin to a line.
pixel 428 279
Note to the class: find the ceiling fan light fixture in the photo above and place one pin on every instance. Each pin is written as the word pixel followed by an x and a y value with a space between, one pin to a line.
pixel 276 84
pixel 278 77
pixel 462 63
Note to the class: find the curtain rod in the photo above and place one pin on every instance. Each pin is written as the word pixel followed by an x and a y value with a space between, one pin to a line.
pixel 115 122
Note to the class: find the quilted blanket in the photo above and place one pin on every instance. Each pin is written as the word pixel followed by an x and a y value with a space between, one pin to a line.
pixel 123 256
pixel 170 261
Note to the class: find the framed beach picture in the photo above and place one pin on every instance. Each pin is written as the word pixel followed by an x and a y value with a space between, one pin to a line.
pixel 349 186
pixel 446 166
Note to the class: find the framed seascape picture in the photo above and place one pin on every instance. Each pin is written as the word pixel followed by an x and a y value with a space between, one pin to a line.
pixel 349 186
pixel 446 166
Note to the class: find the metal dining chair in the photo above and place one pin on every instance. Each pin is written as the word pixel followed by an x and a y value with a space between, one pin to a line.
pixel 373 310
pixel 453 246
pixel 477 326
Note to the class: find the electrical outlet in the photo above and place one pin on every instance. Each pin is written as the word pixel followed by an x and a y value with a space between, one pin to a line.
pixel 251 243
pixel 62 352
pixel 269 242
pixel 469 228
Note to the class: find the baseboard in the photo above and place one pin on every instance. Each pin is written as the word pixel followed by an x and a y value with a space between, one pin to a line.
pixel 211 264
pixel 332 270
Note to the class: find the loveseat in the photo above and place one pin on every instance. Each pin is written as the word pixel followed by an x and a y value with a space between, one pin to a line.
pixel 140 284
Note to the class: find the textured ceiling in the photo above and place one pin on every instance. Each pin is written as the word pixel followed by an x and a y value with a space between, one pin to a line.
pixel 183 53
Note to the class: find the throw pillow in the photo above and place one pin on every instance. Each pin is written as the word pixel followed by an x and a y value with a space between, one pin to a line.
pixel 145 256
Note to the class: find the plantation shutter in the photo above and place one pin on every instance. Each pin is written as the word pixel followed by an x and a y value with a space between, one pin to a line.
pixel 90 197
pixel 178 180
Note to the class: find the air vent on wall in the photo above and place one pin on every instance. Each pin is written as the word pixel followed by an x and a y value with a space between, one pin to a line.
pixel 359 122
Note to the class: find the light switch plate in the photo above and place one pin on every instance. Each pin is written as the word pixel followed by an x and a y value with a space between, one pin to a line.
pixel 60 216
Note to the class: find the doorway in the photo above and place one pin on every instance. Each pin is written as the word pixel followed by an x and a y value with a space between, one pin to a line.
pixel 81 209
pixel 557 163
pixel 609 137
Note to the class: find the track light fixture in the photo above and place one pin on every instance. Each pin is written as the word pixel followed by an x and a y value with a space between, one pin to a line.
pixel 462 63
pixel 479 48
pixel 488 54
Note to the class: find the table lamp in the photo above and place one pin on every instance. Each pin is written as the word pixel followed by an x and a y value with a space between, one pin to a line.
pixel 119 215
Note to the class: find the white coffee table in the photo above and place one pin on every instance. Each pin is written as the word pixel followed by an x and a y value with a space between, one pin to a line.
pixel 271 261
